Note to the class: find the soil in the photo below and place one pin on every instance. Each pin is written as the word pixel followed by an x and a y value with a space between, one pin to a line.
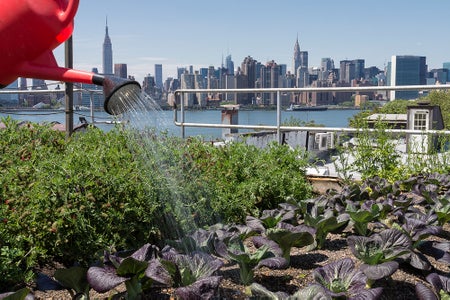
pixel 400 286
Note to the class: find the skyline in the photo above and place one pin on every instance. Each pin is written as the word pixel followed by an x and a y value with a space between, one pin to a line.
pixel 202 33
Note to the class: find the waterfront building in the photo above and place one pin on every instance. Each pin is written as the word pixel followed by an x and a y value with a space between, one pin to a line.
pixel 149 84
pixel 229 65
pixel 446 65
pixel 326 66
pixel 406 70
pixel 302 77
pixel 297 59
pixel 300 58
pixel 107 53
pixel 92 94
pixel 241 82
pixel 158 76
pixel 249 70
pixel 316 98
pixel 180 71
pixel 346 71
pixel 200 98
pixel 371 73
pixel 188 82
pixel 230 83
pixel 120 70
pixel 439 75
pixel 270 78
pixel 10 99
pixel 300 65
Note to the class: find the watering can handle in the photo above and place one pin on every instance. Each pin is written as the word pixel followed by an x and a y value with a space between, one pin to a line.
pixel 68 15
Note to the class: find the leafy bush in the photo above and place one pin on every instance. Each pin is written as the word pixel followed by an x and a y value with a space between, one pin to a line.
pixel 245 180
pixel 70 199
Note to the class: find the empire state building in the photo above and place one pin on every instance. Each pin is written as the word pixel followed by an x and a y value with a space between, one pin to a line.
pixel 107 53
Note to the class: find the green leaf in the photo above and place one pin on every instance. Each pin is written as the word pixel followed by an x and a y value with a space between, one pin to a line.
pixel 131 267
pixel 19 295
pixel 134 288
pixel 73 278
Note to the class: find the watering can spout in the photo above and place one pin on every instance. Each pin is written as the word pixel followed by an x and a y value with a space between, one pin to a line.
pixel 30 30
pixel 120 94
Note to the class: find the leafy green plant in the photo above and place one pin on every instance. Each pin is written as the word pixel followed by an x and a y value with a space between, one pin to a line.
pixel 342 279
pixel 247 260
pixel 379 252
pixel 287 236
pixel 193 274
pixel 72 279
pixel 133 270
pixel 247 180
pixel 440 288
pixel 375 154
pixel 362 217
pixel 324 223
pixel 22 294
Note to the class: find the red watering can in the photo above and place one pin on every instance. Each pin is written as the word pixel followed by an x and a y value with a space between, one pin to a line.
pixel 30 30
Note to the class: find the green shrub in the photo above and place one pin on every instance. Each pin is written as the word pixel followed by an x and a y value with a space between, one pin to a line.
pixel 245 180
pixel 68 200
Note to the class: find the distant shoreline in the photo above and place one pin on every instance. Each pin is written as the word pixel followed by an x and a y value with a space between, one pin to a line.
pixel 12 109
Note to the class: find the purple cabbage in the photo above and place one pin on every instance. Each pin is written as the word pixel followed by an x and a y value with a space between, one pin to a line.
pixel 379 252
pixel 440 288
pixel 341 279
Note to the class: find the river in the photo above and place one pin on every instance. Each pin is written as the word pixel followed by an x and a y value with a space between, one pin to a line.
pixel 164 119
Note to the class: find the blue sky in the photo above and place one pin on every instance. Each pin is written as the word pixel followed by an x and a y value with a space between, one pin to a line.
pixel 179 33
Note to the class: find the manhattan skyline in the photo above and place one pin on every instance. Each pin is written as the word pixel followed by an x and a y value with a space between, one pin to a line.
pixel 202 33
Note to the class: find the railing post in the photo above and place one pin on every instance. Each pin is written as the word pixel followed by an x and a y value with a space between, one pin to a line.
pixel 182 115
pixel 279 117
pixel 69 88
pixel 91 101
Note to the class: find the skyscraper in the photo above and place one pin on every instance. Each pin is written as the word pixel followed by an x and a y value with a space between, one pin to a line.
pixel 407 70
pixel 297 59
pixel 120 70
pixel 158 76
pixel 249 70
pixel 347 71
pixel 300 62
pixel 107 53
pixel 229 64
pixel 270 77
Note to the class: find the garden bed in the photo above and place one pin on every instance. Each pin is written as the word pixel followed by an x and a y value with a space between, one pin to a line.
pixel 298 275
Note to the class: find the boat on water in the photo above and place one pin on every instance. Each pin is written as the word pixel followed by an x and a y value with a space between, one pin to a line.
pixel 297 107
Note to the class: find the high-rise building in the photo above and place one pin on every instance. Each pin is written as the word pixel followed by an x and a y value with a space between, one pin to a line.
pixel 296 60
pixel 304 59
pixel 158 76
pixel 407 70
pixel 346 71
pixel 120 70
pixel 107 53
pixel 446 65
pixel 188 82
pixel 249 70
pixel 180 71
pixel 326 66
pixel 148 84
pixel 11 99
pixel 359 68
pixel 229 65
pixel 270 78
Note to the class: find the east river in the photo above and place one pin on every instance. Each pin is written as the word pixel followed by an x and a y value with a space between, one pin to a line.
pixel 164 120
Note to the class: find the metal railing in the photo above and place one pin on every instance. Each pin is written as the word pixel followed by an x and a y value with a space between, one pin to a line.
pixel 279 91
pixel 76 90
